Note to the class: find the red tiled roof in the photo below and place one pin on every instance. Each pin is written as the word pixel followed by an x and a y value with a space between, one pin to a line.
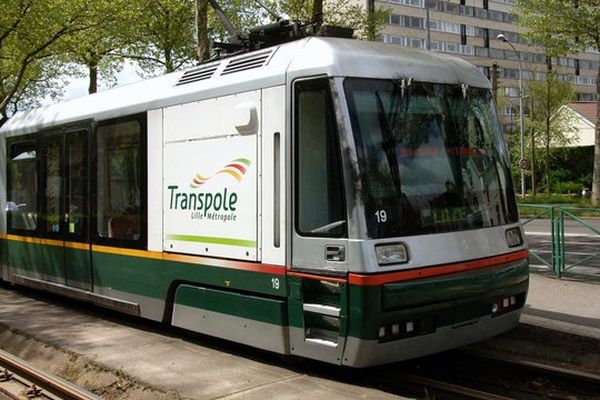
pixel 585 108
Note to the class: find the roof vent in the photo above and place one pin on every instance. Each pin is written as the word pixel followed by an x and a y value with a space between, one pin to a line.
pixel 250 61
pixel 197 74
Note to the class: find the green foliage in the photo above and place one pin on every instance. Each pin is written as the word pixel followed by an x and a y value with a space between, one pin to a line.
pixel 559 26
pixel 573 164
pixel 99 48
pixel 567 187
pixel 550 128
pixel 545 99
pixel 165 30
pixel 533 206
pixel 166 36
pixel 33 33
pixel 340 13
pixel 571 169
pixel 552 199
pixel 563 27
pixel 243 14
pixel 246 14
pixel 42 42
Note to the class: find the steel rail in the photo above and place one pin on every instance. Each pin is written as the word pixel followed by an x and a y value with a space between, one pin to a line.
pixel 463 391
pixel 486 390
pixel 31 390
pixel 48 382
pixel 535 366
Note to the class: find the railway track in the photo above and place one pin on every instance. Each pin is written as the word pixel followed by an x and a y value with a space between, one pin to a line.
pixel 20 380
pixel 468 375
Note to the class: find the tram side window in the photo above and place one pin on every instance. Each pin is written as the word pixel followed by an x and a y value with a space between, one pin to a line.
pixel 320 209
pixel 119 181
pixel 21 205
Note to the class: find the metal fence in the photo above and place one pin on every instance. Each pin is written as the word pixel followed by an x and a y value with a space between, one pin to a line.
pixel 566 241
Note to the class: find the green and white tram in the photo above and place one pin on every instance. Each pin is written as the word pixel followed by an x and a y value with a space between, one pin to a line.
pixel 340 200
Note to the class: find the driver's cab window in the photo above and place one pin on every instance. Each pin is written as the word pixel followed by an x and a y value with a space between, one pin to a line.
pixel 320 209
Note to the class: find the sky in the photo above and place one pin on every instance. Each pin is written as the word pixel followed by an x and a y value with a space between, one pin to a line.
pixel 79 87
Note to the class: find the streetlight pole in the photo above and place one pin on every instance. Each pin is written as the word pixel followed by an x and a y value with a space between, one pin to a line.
pixel 521 116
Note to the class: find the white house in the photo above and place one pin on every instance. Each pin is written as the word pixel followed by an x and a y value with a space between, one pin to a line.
pixel 584 116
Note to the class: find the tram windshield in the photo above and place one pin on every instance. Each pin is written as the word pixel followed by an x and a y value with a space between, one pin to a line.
pixel 432 157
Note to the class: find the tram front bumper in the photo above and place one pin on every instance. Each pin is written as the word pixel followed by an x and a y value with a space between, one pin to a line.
pixel 403 320
pixel 365 353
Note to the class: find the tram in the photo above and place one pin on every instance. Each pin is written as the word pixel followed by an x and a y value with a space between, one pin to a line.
pixel 335 199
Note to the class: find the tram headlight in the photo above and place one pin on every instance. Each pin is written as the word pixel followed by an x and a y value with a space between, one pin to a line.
pixel 513 237
pixel 391 253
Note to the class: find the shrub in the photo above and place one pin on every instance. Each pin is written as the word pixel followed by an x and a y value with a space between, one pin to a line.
pixel 567 187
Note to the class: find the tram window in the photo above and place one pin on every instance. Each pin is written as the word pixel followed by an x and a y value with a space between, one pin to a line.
pixel 119 181
pixel 21 204
pixel 320 209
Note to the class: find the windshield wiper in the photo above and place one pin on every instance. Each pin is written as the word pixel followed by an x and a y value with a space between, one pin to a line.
pixel 403 84
pixel 389 143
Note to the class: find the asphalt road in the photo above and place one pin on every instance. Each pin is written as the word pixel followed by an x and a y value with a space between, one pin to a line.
pixel 581 244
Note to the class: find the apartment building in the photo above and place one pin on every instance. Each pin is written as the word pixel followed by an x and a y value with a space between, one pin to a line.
pixel 469 29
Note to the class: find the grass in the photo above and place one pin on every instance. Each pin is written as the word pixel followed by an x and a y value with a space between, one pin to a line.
pixel 556 200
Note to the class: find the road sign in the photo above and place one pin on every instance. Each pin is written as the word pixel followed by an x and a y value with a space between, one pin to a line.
pixel 524 164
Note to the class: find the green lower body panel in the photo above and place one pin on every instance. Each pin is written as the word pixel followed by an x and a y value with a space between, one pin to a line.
pixel 78 268
pixel 432 303
pixel 256 321
pixel 40 261
pixel 148 281
pixel 403 320
pixel 402 295
pixel 126 274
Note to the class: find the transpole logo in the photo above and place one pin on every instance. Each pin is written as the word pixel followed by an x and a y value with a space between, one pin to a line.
pixel 216 204
pixel 237 169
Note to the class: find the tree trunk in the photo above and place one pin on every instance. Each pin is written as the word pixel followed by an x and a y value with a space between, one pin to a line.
pixel 533 193
pixel 203 45
pixel 317 12
pixel 371 26
pixel 3 118
pixel 596 178
pixel 547 157
pixel 169 66
pixel 549 81
pixel 93 75
pixel 547 114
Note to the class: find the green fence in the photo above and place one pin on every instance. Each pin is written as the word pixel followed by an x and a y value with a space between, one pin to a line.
pixel 559 259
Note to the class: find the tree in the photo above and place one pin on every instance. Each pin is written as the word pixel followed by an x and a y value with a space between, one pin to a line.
pixel 99 48
pixel 549 128
pixel 166 36
pixel 32 33
pixel 366 23
pixel 567 27
pixel 245 14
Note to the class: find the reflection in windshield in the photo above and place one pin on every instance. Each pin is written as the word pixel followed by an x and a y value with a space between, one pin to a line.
pixel 431 155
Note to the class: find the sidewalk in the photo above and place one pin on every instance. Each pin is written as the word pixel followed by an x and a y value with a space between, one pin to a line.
pixel 563 305
pixel 202 369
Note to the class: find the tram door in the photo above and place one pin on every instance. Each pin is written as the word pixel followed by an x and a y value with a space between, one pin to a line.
pixel 319 238
pixel 67 204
